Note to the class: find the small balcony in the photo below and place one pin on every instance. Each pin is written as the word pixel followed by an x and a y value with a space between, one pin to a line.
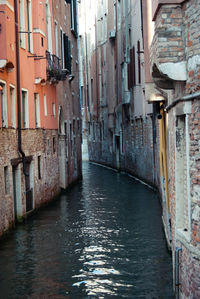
pixel 55 73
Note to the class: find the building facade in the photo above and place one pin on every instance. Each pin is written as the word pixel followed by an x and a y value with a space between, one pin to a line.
pixel 121 126
pixel 175 69
pixel 140 94
pixel 34 67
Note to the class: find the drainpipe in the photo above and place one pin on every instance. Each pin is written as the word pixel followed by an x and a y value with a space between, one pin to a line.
pixel 185 98
pixel 177 282
pixel 18 87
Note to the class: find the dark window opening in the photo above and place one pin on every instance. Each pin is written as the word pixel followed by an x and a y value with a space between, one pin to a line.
pixel 39 167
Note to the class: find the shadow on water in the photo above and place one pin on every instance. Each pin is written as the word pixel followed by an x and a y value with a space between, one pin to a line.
pixel 103 238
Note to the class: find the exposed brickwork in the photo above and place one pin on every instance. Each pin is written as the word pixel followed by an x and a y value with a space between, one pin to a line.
pixel 189 239
pixel 35 143
pixel 168 44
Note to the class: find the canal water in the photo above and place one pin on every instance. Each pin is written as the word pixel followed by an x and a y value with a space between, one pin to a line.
pixel 103 238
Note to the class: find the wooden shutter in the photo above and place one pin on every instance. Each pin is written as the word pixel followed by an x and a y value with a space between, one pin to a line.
pixel 67 47
pixel 65 51
pixel 132 54
pixel 139 63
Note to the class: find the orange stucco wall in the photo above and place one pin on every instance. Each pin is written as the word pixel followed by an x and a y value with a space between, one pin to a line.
pixel 30 68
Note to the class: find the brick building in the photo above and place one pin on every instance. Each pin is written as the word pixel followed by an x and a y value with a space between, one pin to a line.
pixel 175 69
pixel 38 106
pixel 116 83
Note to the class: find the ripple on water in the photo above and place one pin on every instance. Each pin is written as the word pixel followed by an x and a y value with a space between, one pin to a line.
pixel 102 239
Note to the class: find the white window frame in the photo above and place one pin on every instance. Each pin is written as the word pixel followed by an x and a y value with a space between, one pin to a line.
pixel 22 24
pixel 45 105
pixel 53 109
pixel 26 109
pixel 48 26
pixel 4 116
pixel 37 109
pixel 56 38
pixel 12 106
pixel 183 199
pixel 29 11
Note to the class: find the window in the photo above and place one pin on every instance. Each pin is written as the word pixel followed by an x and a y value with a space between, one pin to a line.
pixel 37 110
pixel 78 127
pixel 182 174
pixel 24 109
pixel 3 99
pixel 61 48
pixel 54 145
pixel 12 107
pixel 6 180
pixel 29 25
pixel 71 137
pixel 74 17
pixel 56 38
pixel 74 128
pixel 45 105
pixel 22 24
pixel 48 24
pixel 39 168
pixel 53 109
pixel 131 69
pixel 67 53
pixel 92 92
pixel 139 62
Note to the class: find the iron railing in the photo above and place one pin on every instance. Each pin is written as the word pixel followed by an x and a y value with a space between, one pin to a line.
pixel 55 72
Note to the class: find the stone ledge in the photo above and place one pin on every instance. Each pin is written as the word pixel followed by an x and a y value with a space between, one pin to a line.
pixel 156 4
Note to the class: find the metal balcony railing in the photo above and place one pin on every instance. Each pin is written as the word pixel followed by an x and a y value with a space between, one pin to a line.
pixel 55 72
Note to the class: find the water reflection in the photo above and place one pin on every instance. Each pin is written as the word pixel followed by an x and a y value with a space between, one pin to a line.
pixel 101 239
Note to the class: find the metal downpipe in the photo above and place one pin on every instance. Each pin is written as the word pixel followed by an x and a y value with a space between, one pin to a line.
pixel 177 282
pixel 18 87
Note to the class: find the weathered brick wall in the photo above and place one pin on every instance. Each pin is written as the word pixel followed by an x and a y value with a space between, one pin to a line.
pixel 191 20
pixel 136 157
pixel 138 149
pixel 183 46
pixel 34 143
pixel 168 43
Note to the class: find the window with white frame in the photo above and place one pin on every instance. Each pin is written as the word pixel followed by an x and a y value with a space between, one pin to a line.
pixel 45 105
pixel 48 26
pixel 3 99
pixel 37 110
pixel 29 25
pixel 12 107
pixel 56 38
pixel 182 174
pixel 53 109
pixel 25 116
pixel 22 24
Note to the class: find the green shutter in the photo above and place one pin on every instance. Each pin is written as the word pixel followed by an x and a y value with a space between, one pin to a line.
pixel 75 19
pixel 69 65
pixel 65 51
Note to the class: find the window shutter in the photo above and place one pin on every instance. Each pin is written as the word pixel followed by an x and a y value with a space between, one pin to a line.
pixel 129 76
pixel 139 62
pixel 65 51
pixel 131 69
pixel 75 18
pixel 69 65
pixel 133 66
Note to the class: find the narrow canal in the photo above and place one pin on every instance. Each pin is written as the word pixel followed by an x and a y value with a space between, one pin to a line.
pixel 101 239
